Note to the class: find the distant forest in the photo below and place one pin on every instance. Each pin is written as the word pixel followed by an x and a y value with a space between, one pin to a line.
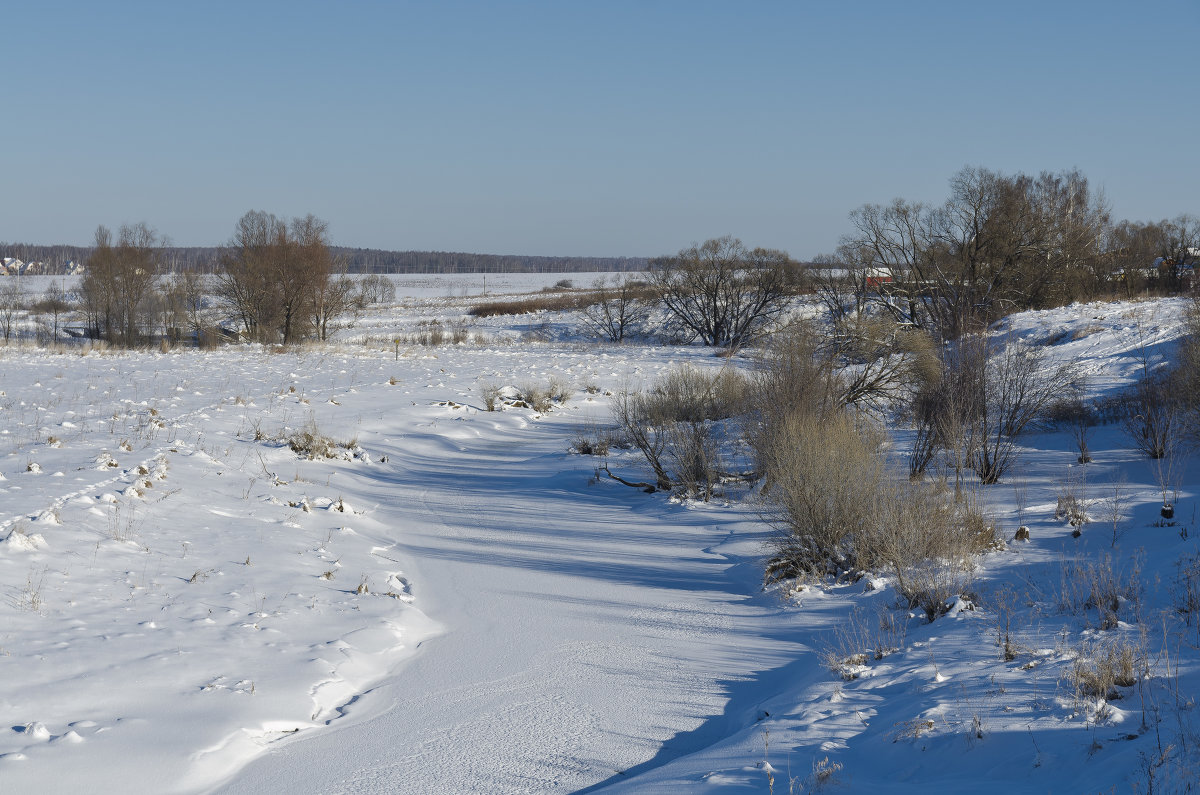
pixel 358 260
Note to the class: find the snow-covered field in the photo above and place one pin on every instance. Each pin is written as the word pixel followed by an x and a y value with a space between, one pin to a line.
pixel 456 603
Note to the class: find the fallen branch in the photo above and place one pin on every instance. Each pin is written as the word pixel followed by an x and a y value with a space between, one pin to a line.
pixel 649 488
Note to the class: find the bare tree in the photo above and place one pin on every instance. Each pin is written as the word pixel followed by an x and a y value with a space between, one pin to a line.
pixel 11 303
pixel 621 309
pixel 839 288
pixel 280 278
pixel 54 303
pixel 332 298
pixel 1151 414
pixel 119 283
pixel 187 304
pixel 245 281
pixel 303 271
pixel 376 289
pixel 722 292
pixel 997 244
pixel 879 362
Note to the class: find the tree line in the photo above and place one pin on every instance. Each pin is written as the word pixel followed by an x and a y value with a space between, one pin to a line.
pixel 55 260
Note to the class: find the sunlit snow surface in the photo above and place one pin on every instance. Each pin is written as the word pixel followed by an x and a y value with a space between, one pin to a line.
pixel 182 608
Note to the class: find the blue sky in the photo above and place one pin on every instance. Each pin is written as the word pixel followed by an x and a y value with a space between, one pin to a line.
pixel 572 128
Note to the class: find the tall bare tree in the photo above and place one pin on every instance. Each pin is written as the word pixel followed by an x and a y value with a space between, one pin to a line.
pixel 246 280
pixel 996 245
pixel 722 292
pixel 119 283
pixel 282 279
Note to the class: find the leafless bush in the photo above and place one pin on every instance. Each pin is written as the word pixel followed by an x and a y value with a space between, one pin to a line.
pixel 879 362
pixel 558 390
pixel 536 397
pixel 928 540
pixel 687 394
pixel 12 302
pixel 376 289
pixel 1151 415
pixel 864 363
pixel 1071 509
pixel 592 440
pixel 1004 603
pixel 674 425
pixel 621 309
pixel 1079 418
pixel 1115 505
pixel 984 400
pixel 791 377
pixel 1187 589
pixel 693 451
pixel 642 422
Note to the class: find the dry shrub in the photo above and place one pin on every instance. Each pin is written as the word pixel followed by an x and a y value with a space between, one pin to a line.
pixel 1187 589
pixel 1102 587
pixel 311 443
pixel 913 729
pixel 824 480
pixel 1101 667
pixel 859 639
pixel 928 540
pixel 686 394
pixel 693 451
pixel 536 397
pixel 621 309
pixel 792 376
pixel 558 390
pixel 490 394
pixel 824 774
pixel 595 441
pixel 546 302
pixel 839 510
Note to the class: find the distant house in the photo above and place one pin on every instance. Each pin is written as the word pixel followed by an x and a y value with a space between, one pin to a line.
pixel 877 277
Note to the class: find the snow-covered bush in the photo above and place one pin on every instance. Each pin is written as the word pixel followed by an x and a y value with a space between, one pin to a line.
pixel 312 443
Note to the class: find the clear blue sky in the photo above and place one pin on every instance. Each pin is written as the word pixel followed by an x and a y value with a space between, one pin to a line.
pixel 585 128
